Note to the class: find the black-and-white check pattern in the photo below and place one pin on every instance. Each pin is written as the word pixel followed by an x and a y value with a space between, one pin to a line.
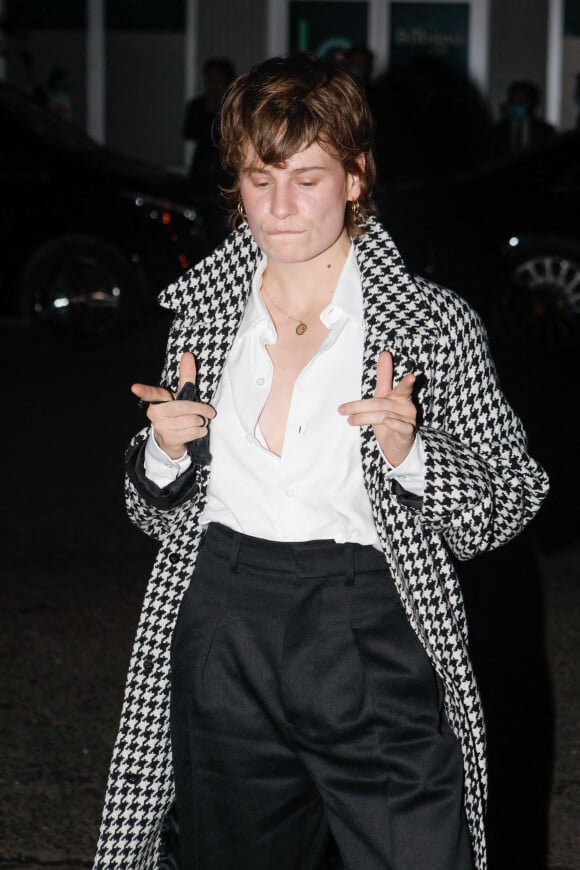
pixel 481 490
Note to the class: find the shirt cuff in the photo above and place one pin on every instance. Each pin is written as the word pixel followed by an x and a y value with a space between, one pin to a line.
pixel 160 468
pixel 410 474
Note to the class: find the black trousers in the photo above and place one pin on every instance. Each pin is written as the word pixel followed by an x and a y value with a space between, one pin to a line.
pixel 303 701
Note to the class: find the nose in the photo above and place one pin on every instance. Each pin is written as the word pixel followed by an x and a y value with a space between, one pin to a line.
pixel 282 204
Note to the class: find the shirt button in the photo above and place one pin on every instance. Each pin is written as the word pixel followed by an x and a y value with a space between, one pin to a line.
pixel 261 381
pixel 290 493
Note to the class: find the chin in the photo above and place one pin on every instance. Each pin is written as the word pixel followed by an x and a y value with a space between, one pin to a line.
pixel 286 249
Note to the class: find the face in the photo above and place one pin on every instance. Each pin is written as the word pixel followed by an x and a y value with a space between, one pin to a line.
pixel 296 212
pixel 216 81
pixel 521 97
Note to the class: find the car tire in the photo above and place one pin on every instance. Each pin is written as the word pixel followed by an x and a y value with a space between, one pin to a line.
pixel 80 287
pixel 539 301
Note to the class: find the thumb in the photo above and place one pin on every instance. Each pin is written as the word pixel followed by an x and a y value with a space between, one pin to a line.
pixel 187 369
pixel 384 383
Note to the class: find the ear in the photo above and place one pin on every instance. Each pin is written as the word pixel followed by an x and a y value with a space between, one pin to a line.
pixel 353 180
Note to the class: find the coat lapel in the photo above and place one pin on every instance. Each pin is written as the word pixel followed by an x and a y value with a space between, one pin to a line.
pixel 397 318
pixel 209 302
pixel 396 314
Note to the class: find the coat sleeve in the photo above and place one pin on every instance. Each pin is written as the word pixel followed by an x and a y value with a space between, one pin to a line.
pixel 481 485
pixel 155 511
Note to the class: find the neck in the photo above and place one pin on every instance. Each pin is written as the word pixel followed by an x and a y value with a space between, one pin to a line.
pixel 306 286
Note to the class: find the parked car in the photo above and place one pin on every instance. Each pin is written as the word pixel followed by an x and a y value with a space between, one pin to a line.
pixel 506 236
pixel 89 236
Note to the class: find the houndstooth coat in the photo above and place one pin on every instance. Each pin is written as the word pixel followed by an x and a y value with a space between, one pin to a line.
pixel 481 488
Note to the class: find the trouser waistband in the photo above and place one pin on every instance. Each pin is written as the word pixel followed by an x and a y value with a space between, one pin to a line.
pixel 305 559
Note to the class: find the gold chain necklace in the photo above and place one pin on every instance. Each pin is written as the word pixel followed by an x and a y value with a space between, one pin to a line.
pixel 301 328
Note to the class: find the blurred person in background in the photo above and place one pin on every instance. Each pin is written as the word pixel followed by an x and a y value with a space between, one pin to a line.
pixel 431 121
pixel 58 92
pixel 360 62
pixel 55 92
pixel 301 664
pixel 198 128
pixel 520 127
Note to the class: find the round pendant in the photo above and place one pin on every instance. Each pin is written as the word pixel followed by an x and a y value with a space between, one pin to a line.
pixel 301 329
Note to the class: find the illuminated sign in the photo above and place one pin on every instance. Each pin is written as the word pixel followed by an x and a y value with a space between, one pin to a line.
pixel 327 27
pixel 438 29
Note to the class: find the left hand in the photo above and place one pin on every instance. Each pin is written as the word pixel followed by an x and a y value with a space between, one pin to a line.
pixel 391 412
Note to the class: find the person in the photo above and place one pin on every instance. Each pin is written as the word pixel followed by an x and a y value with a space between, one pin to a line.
pixel 520 127
pixel 198 122
pixel 328 434
pixel 360 62
pixel 58 92
pixel 431 122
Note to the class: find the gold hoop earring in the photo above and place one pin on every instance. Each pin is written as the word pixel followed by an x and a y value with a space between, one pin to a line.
pixel 355 210
pixel 242 212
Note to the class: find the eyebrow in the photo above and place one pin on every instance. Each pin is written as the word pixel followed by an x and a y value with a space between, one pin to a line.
pixel 264 170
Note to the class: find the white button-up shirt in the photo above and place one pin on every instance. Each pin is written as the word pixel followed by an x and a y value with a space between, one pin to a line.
pixel 315 489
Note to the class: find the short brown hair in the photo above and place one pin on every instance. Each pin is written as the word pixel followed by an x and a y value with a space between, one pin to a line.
pixel 288 103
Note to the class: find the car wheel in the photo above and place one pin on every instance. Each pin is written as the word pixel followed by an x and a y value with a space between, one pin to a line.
pixel 540 299
pixel 80 286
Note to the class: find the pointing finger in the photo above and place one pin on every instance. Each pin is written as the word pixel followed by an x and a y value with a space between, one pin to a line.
pixel 150 394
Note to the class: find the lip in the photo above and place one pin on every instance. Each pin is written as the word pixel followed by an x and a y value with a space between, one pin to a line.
pixel 282 231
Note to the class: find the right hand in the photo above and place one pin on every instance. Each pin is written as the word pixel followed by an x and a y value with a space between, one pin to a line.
pixel 175 422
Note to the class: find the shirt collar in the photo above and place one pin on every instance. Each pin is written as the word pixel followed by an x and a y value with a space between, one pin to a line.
pixel 346 299
pixel 256 311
